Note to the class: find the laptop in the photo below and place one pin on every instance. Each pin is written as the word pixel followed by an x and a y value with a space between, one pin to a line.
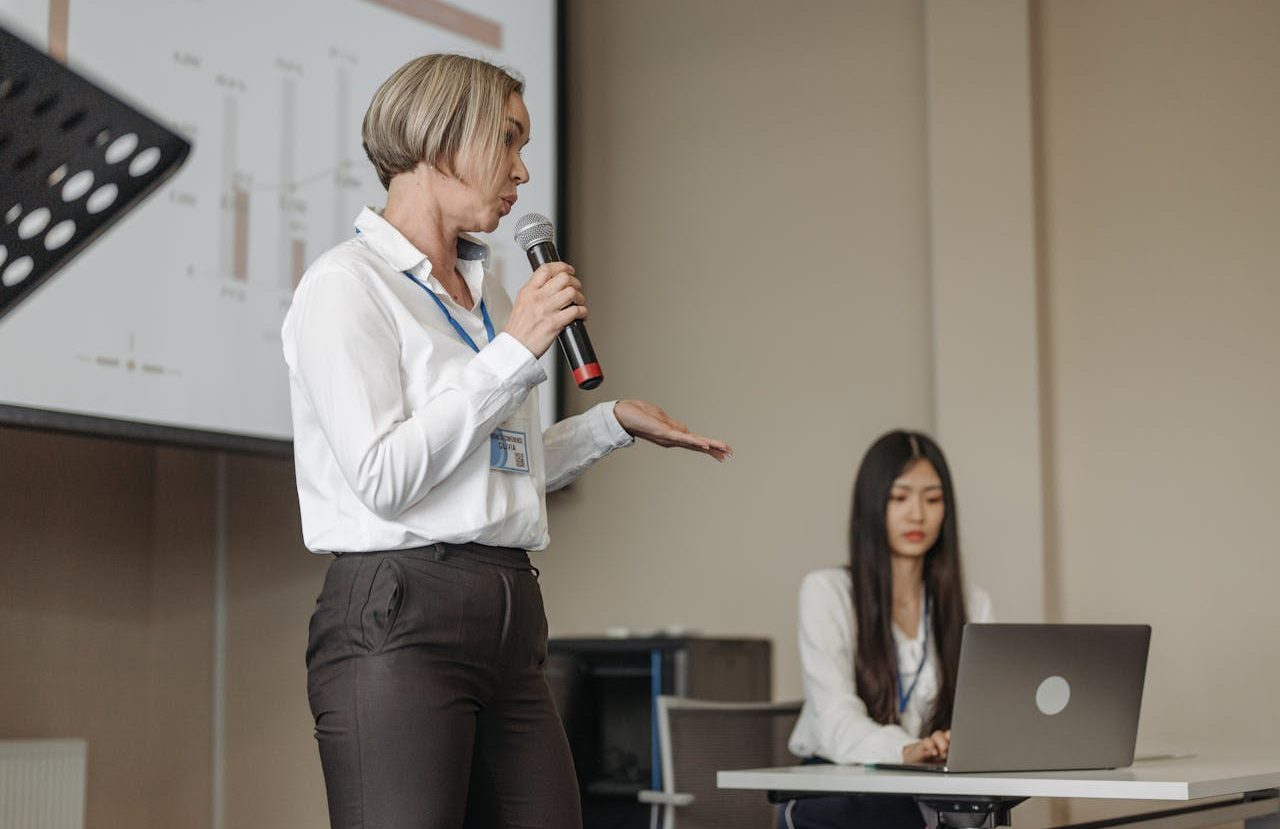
pixel 1045 698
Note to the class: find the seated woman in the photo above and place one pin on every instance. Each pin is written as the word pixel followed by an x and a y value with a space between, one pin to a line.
pixel 880 639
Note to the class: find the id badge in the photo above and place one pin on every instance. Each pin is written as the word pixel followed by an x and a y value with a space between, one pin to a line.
pixel 509 449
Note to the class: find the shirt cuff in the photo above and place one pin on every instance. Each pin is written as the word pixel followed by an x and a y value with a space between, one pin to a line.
pixel 605 428
pixel 884 746
pixel 513 364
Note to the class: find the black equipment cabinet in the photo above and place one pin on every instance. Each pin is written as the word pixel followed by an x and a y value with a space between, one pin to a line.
pixel 605 689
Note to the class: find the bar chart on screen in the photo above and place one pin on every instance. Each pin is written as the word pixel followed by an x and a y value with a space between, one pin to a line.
pixel 271 94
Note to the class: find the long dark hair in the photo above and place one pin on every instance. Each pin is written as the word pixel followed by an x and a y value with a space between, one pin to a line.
pixel 875 668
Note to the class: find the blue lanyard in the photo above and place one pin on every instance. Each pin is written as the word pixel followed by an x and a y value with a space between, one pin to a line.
pixel 466 338
pixel 903 699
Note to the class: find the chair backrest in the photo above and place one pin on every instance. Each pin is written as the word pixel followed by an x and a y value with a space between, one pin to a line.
pixel 698 738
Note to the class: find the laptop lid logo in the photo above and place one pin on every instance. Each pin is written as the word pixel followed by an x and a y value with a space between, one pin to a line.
pixel 1053 695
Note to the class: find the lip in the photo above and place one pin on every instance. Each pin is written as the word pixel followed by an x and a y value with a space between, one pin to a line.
pixel 509 201
pixel 914 535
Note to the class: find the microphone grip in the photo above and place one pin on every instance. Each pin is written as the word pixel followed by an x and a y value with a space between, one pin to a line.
pixel 574 342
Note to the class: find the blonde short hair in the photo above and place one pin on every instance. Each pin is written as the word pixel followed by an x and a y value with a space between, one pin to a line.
pixel 446 110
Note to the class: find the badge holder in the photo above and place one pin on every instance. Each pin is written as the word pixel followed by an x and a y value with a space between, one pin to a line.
pixel 73 160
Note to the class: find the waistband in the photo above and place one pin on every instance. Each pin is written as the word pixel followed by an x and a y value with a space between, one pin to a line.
pixel 510 557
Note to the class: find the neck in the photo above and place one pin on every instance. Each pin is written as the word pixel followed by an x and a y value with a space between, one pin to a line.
pixel 908 577
pixel 413 210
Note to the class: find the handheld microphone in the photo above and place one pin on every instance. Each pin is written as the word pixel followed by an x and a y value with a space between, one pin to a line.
pixel 536 235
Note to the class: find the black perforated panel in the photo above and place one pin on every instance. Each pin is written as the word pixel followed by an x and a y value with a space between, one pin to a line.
pixel 73 160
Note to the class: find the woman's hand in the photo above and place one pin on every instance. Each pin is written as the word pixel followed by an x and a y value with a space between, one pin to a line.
pixel 932 749
pixel 647 422
pixel 550 300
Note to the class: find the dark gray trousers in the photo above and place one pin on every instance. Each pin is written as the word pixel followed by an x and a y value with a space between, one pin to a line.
pixel 425 677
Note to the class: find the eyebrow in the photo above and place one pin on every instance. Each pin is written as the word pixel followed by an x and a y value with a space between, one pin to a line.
pixel 897 485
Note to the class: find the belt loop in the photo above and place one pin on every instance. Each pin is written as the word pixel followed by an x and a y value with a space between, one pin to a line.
pixel 442 552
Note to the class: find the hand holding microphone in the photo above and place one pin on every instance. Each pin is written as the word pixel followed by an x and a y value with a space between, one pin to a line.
pixel 554 300
pixel 551 303
pixel 545 305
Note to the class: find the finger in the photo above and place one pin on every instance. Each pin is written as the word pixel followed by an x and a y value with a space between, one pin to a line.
pixel 549 271
pixel 565 316
pixel 570 296
pixel 575 291
pixel 716 449
pixel 541 276
pixel 555 283
pixel 565 297
pixel 720 446
pixel 711 444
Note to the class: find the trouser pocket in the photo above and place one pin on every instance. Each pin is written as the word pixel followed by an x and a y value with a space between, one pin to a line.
pixel 382 604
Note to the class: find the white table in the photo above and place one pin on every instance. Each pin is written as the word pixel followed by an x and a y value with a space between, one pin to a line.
pixel 1250 786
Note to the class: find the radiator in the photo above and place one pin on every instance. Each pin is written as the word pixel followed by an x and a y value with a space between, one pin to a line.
pixel 42 784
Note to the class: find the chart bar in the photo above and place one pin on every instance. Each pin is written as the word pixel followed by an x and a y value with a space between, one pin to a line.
pixel 449 17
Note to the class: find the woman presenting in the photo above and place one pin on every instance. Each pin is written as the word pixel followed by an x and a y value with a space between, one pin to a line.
pixel 880 639
pixel 407 361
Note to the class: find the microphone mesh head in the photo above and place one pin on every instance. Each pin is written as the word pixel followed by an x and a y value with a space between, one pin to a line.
pixel 534 229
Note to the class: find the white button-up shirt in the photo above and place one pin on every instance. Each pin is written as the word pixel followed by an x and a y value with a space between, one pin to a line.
pixel 834 723
pixel 392 411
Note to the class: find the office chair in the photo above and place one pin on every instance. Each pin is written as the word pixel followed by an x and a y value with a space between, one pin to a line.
pixel 697 738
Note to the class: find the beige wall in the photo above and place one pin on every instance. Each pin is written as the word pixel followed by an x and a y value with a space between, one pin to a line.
pixel 76 533
pixel 748 213
pixel 272 768
pixel 983 278
pixel 106 610
pixel 1160 166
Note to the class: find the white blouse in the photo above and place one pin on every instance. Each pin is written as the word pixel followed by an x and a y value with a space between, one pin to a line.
pixel 393 411
pixel 834 722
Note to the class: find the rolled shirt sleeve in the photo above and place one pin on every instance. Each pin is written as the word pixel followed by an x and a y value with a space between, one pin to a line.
pixel 575 443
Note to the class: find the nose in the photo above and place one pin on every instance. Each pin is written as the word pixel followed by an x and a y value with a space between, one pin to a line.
pixel 915 509
pixel 519 172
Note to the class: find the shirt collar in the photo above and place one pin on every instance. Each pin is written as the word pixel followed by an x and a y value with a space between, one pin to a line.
pixel 399 252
